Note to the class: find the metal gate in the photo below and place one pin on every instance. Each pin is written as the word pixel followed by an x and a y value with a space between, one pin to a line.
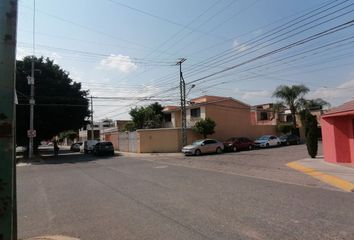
pixel 127 141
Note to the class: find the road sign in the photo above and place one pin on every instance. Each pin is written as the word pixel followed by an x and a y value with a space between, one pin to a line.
pixel 31 133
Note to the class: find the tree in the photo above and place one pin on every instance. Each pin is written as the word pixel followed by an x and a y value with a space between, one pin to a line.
pixel 60 105
pixel 147 117
pixel 311 132
pixel 314 104
pixel 205 127
pixel 292 97
pixel 285 128
pixel 129 126
pixel 70 134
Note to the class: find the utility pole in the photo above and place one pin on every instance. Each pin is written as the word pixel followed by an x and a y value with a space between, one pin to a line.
pixel 92 131
pixel 8 24
pixel 31 133
pixel 182 86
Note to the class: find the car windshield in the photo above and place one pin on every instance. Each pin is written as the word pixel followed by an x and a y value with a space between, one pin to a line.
pixel 263 138
pixel 198 142
pixel 283 137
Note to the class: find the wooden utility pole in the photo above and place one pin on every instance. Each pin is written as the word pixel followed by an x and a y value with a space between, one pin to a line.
pixel 8 24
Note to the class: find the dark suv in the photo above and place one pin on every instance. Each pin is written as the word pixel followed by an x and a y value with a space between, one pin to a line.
pixel 289 139
pixel 103 148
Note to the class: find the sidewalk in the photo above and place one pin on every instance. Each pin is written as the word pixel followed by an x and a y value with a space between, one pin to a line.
pixel 336 175
pixel 131 154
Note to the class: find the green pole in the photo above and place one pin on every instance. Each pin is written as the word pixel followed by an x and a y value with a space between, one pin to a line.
pixel 8 24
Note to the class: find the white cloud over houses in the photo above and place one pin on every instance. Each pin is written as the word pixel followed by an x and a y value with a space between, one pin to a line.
pixel 119 62
pixel 343 91
pixel 252 95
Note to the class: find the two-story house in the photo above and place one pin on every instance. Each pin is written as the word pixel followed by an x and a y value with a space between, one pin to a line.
pixel 232 117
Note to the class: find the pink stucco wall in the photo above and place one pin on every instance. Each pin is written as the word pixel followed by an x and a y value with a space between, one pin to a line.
pixel 338 138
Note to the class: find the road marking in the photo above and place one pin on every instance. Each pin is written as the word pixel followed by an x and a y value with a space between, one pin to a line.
pixel 329 179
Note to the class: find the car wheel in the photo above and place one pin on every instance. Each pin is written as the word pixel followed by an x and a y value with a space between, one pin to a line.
pixel 218 150
pixel 197 152
pixel 288 143
pixel 250 147
pixel 267 145
pixel 297 142
pixel 85 151
pixel 234 149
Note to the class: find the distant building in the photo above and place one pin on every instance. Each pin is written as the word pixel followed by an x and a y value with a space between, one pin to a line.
pixel 85 132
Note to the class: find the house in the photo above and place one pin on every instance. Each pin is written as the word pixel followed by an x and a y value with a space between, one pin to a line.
pixel 232 117
pixel 266 114
pixel 110 133
pixel 338 134
pixel 86 131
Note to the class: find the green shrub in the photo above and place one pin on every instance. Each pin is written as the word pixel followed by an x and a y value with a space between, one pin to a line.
pixel 285 128
pixel 205 127
pixel 311 134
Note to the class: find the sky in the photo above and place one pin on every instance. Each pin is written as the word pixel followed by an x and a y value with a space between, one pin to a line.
pixel 234 48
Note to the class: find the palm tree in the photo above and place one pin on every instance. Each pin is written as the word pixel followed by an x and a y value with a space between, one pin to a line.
pixel 315 104
pixel 292 97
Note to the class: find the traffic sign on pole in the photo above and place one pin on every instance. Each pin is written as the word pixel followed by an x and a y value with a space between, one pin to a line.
pixel 31 133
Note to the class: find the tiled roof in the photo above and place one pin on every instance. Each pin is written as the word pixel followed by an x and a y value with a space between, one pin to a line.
pixel 346 107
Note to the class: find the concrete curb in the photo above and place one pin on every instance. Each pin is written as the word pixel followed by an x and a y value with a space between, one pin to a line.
pixel 56 237
pixel 324 172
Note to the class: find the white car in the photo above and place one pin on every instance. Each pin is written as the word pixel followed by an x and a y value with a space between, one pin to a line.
pixel 203 146
pixel 267 141
pixel 21 149
pixel 87 146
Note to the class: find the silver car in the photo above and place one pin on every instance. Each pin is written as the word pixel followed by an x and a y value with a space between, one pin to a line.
pixel 203 146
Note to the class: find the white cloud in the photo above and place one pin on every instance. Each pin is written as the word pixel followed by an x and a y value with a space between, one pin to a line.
pixel 21 53
pixel 239 46
pixel 55 57
pixel 119 62
pixel 251 95
pixel 344 90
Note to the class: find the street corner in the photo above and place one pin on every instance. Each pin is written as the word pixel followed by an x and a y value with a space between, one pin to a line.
pixel 335 175
pixel 54 237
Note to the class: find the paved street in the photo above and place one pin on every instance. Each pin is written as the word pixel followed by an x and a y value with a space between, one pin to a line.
pixel 245 195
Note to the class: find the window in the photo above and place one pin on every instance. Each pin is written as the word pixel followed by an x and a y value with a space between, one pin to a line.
pixel 167 117
pixel 195 112
pixel 209 141
pixel 264 116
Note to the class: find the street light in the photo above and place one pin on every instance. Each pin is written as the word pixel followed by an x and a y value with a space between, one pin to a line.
pixel 189 90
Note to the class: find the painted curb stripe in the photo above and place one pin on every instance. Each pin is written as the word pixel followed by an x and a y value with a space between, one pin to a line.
pixel 329 179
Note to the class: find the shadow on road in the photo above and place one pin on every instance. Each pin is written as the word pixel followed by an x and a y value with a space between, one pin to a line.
pixel 66 156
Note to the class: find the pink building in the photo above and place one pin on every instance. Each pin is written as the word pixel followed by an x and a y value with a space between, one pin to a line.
pixel 338 134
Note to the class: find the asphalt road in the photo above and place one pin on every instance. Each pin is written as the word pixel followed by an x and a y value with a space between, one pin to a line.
pixel 130 198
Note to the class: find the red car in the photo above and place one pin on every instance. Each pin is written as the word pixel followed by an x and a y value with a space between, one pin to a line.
pixel 238 143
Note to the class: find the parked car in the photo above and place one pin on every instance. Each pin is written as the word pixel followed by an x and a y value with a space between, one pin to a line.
pixel 289 139
pixel 75 147
pixel 203 146
pixel 238 143
pixel 102 148
pixel 267 141
pixel 20 149
pixel 87 146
